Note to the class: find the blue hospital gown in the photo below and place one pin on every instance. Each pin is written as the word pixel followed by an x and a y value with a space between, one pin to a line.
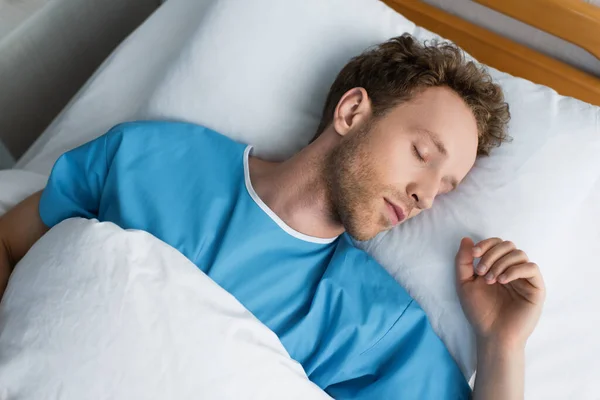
pixel 354 329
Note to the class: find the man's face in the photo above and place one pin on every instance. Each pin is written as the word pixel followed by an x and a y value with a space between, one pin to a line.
pixel 390 169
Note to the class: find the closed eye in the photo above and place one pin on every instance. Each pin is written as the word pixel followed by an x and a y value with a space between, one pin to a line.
pixel 417 154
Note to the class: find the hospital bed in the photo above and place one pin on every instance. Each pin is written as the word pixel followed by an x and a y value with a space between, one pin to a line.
pixel 272 62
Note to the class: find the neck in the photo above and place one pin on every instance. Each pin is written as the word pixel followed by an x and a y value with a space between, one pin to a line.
pixel 296 190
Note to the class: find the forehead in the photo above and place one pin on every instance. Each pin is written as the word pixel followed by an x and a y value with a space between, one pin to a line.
pixel 443 112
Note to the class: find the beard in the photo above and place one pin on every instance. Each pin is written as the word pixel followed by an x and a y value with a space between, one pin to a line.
pixel 354 188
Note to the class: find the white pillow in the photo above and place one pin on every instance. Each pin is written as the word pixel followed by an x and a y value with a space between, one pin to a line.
pixel 97 312
pixel 259 71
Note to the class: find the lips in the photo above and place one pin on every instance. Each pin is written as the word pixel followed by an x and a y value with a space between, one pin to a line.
pixel 396 212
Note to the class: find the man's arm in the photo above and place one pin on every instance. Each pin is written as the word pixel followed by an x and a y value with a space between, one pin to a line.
pixel 20 228
pixel 500 372
pixel 74 189
pixel 502 297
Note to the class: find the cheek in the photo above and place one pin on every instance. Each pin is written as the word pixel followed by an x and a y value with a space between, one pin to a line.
pixel 398 172
pixel 389 153
pixel 395 161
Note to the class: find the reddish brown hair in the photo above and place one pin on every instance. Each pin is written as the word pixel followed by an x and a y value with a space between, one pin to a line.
pixel 396 70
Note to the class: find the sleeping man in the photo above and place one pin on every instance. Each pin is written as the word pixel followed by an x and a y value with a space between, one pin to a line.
pixel 403 123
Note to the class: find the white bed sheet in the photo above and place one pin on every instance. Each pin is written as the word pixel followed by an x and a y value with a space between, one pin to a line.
pixel 139 321
pixel 548 361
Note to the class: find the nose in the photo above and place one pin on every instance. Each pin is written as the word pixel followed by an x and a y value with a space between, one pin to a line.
pixel 423 194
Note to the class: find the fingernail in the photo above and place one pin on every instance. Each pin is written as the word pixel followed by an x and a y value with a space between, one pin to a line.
pixel 489 276
pixel 502 278
pixel 481 268
pixel 476 249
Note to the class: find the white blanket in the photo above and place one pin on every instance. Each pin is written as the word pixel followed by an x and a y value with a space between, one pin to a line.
pixel 97 312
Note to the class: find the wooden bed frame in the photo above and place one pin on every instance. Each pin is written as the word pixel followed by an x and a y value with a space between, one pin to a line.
pixel 557 17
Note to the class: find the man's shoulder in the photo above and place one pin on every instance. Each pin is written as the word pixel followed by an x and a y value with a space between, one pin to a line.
pixel 173 141
pixel 175 154
pixel 168 130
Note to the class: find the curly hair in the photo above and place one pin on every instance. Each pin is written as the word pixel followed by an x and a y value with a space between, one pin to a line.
pixel 394 71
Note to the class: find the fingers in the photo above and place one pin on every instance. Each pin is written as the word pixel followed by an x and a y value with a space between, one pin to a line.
pixel 464 260
pixel 501 262
pixel 528 271
pixel 492 251
pixel 512 258
pixel 497 258
pixel 482 247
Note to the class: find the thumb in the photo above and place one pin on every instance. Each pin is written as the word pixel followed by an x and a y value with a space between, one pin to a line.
pixel 464 260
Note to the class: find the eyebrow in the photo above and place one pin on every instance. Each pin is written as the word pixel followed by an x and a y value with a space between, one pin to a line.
pixel 435 139
pixel 442 149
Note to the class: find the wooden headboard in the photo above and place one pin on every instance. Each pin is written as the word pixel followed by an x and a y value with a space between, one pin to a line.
pixel 572 20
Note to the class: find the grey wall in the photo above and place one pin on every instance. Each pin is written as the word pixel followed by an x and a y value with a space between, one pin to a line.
pixel 50 55
pixel 14 13
pixel 6 159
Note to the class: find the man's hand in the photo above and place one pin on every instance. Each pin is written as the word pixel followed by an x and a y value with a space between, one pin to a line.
pixel 502 298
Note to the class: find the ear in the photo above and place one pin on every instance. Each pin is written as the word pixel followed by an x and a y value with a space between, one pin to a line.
pixel 353 109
